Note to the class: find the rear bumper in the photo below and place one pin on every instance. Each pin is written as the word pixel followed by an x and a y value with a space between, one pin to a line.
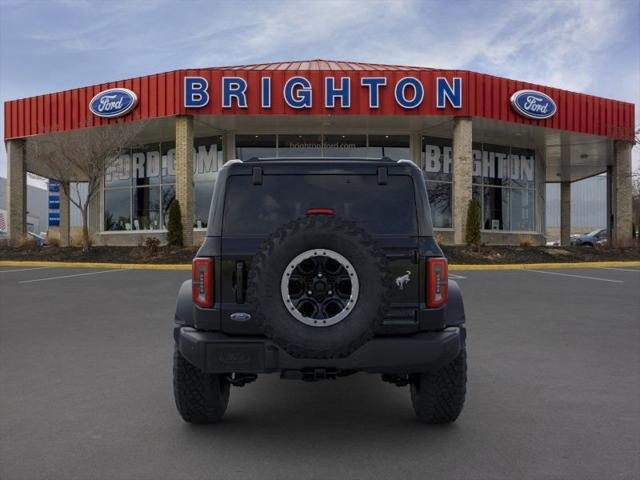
pixel 215 352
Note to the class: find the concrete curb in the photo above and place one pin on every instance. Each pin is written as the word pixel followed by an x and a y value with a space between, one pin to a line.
pixel 548 266
pixel 151 266
pixel 129 266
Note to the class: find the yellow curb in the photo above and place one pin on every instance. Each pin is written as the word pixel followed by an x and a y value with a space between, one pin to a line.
pixel 162 266
pixel 130 266
pixel 525 266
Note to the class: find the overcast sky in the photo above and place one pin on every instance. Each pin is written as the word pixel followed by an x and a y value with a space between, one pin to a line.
pixel 582 45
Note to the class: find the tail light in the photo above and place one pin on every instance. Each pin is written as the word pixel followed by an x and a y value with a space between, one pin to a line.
pixel 320 211
pixel 202 282
pixel 437 282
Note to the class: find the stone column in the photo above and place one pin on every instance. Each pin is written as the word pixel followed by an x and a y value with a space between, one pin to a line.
pixel 565 213
pixel 415 147
pixel 16 191
pixel 462 175
pixel 228 147
pixel 184 174
pixel 621 184
pixel 65 216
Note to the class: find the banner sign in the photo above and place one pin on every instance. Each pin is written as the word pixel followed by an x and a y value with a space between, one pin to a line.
pixel 54 203
pixel 54 219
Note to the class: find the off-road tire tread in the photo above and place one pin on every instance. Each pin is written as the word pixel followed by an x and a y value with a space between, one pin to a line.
pixel 438 397
pixel 200 397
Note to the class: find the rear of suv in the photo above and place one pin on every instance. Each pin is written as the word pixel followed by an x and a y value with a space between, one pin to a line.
pixel 319 269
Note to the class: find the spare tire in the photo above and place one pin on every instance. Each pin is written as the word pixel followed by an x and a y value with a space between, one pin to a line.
pixel 319 286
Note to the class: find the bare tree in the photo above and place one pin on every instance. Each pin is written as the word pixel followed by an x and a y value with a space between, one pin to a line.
pixel 82 156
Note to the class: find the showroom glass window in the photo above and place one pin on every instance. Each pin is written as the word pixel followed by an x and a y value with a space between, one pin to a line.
pixel 140 185
pixel 207 162
pixel 503 183
pixel 317 145
pixel 438 172
pixel 117 194
pixel 395 147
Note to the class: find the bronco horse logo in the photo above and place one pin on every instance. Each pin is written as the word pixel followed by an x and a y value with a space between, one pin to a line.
pixel 403 280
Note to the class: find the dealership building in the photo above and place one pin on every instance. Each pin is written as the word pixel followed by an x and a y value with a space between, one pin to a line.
pixel 474 135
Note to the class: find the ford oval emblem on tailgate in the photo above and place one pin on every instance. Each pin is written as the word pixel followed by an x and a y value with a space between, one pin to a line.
pixel 240 317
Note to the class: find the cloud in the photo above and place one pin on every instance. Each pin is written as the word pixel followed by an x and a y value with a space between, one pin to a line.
pixel 583 45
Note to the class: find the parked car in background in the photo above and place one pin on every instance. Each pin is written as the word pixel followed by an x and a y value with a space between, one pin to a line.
pixel 41 240
pixel 590 239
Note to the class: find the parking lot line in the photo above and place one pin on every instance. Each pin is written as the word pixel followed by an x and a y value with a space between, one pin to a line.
pixel 70 276
pixel 23 269
pixel 457 277
pixel 575 276
pixel 637 270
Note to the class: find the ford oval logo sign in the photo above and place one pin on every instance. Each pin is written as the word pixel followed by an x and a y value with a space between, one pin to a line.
pixel 114 102
pixel 533 104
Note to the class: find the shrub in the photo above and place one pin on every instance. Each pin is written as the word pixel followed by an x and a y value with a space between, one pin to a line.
pixel 54 242
pixel 29 243
pixel 472 234
pixel 174 226
pixel 152 246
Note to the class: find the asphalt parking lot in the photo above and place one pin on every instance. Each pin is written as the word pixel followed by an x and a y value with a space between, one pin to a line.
pixel 85 388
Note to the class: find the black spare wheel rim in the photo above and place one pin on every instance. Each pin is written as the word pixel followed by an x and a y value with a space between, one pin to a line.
pixel 319 287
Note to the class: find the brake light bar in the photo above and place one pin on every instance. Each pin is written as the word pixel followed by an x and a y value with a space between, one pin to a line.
pixel 320 211
pixel 437 282
pixel 202 282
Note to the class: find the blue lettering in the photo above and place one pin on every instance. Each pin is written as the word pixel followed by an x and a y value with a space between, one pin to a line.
pixel 374 84
pixel 297 92
pixel 195 92
pixel 400 92
pixel 234 87
pixel 445 92
pixel 266 92
pixel 331 92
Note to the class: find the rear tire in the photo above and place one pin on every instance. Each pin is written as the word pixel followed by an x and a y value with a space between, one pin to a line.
pixel 438 397
pixel 200 397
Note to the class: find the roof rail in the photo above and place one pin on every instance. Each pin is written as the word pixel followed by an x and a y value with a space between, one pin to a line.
pixel 345 159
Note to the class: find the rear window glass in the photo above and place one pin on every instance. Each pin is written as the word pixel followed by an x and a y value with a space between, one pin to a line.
pixel 260 209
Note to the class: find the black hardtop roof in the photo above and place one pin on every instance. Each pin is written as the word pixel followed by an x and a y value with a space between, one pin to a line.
pixel 382 167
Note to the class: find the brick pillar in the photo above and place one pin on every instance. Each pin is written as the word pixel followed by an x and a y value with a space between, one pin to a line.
pixel 228 147
pixel 415 147
pixel 565 213
pixel 462 174
pixel 65 216
pixel 16 191
pixel 184 174
pixel 621 186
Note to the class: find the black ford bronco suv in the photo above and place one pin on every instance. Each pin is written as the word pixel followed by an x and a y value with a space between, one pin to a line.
pixel 318 269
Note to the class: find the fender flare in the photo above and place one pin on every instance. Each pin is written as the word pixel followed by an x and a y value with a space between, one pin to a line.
pixel 455 306
pixel 184 305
